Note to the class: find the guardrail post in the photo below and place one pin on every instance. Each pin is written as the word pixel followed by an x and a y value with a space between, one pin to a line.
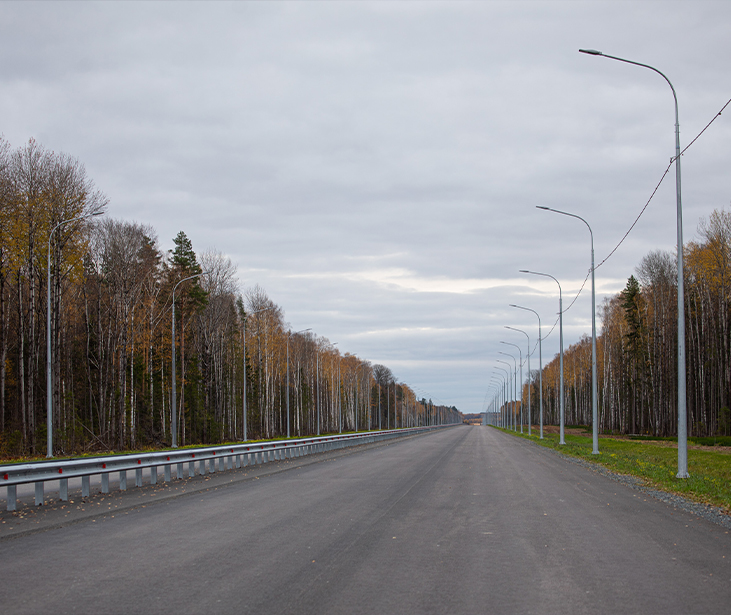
pixel 202 467
pixel 191 469
pixel 166 470
pixel 105 482
pixel 63 489
pixel 123 480
pixel 153 475
pixel 12 497
pixel 238 461
pixel 179 473
pixel 39 493
pixel 85 486
pixel 211 465
pixel 138 477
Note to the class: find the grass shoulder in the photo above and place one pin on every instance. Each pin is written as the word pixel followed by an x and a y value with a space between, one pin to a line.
pixel 710 470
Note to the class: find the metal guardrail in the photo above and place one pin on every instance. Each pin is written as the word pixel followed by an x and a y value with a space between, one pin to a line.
pixel 238 455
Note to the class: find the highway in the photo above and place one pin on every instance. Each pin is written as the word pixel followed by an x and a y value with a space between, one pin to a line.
pixel 465 520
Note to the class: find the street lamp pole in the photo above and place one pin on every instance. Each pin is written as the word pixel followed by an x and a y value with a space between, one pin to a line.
pixel 512 404
pixel 594 393
pixel 174 409
pixel 540 365
pixel 49 352
pixel 682 411
pixel 520 355
pixel 560 335
pixel 529 385
pixel 504 405
pixel 492 387
pixel 515 388
pixel 290 334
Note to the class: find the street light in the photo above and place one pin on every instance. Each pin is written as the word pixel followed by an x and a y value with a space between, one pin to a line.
pixel 682 412
pixel 504 404
pixel 560 335
pixel 520 355
pixel 494 384
pixel 290 334
pixel 515 388
pixel 246 316
pixel 49 375
pixel 540 365
pixel 594 394
pixel 510 380
pixel 529 385
pixel 174 412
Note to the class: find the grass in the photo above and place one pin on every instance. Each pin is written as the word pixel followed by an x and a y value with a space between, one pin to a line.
pixel 710 471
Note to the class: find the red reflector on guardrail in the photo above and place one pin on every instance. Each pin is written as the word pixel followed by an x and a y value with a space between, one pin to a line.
pixel 139 462
pixel 60 470
pixel 104 465
pixel 193 455
pixel 5 476
pixel 168 458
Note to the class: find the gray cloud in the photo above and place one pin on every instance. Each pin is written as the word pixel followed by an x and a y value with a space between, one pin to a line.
pixel 376 166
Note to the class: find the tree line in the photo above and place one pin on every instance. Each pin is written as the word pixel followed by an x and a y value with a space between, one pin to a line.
pixel 111 293
pixel 637 348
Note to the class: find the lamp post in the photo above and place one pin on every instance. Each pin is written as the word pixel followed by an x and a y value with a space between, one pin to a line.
pixel 594 394
pixel 529 385
pixel 49 352
pixel 520 355
pixel 540 365
pixel 512 405
pixel 174 410
pixel 497 383
pixel 290 334
pixel 246 437
pixel 515 389
pixel 682 412
pixel 494 387
pixel 490 420
pixel 560 336
pixel 504 404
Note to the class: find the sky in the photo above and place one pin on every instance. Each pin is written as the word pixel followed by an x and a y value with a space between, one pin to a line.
pixel 376 166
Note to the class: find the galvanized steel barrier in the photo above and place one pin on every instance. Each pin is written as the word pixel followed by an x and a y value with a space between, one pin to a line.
pixel 227 457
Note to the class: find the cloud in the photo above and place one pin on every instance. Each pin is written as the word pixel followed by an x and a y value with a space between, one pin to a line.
pixel 376 166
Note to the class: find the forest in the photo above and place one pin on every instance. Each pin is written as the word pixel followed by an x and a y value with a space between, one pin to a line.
pixel 637 347
pixel 240 372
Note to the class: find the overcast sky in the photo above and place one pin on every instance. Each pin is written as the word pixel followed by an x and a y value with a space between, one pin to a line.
pixel 375 166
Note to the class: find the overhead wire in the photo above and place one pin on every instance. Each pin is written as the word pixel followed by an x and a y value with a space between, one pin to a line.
pixel 642 211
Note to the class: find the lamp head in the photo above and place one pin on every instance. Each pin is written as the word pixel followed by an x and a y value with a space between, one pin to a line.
pixel 591 52
pixel 523 271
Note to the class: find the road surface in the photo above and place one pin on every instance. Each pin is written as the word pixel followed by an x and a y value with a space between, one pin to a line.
pixel 465 520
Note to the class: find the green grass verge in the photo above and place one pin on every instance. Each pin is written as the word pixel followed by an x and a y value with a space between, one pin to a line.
pixel 710 471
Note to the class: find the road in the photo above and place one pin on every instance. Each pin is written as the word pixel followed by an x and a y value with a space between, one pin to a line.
pixel 466 520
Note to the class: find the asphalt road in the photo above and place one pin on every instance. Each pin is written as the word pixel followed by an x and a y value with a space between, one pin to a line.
pixel 466 520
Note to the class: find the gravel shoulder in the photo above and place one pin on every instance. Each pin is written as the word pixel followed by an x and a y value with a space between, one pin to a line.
pixel 706 511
